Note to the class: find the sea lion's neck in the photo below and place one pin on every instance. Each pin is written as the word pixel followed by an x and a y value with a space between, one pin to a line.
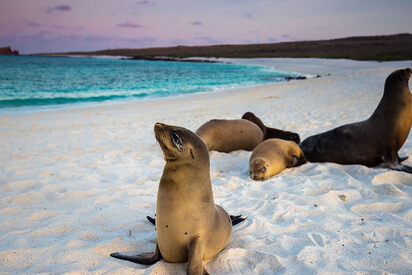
pixel 193 179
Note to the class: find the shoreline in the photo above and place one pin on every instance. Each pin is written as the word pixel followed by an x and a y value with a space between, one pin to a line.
pixel 301 68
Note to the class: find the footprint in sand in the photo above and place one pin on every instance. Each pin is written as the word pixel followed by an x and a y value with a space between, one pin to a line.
pixel 316 239
pixel 243 261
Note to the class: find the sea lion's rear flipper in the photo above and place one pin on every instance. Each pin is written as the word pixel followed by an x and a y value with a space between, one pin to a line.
pixel 401 159
pixel 194 262
pixel 146 258
pixel 405 168
pixel 235 219
pixel 397 166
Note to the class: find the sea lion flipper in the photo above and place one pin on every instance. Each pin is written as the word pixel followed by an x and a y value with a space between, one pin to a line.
pixel 237 219
pixel 397 166
pixel 405 168
pixel 194 263
pixel 151 220
pixel 402 159
pixel 146 259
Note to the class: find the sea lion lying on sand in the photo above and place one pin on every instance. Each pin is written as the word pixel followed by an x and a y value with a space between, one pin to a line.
pixel 372 142
pixel 272 156
pixel 227 135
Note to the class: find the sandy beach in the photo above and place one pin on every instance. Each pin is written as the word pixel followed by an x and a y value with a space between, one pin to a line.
pixel 77 184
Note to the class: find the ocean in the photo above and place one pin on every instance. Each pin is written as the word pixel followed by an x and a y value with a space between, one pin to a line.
pixel 33 83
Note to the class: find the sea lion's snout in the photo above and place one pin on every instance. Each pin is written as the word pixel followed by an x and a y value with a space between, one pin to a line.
pixel 248 116
pixel 158 126
pixel 295 138
pixel 257 169
pixel 408 72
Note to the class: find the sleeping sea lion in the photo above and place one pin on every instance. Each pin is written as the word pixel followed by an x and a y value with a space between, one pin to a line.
pixel 227 135
pixel 272 156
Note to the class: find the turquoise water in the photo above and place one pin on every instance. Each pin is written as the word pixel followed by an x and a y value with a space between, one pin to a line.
pixel 34 82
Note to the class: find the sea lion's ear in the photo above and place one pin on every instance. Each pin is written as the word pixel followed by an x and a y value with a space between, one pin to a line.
pixel 191 153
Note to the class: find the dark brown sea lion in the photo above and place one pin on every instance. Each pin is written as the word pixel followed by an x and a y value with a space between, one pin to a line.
pixel 374 141
pixel 271 132
pixel 189 225
pixel 227 135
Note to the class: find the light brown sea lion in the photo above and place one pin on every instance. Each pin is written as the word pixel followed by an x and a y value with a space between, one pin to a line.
pixel 272 156
pixel 227 135
pixel 189 225
pixel 372 142
pixel 271 132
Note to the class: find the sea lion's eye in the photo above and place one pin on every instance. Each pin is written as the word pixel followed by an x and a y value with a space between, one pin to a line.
pixel 176 140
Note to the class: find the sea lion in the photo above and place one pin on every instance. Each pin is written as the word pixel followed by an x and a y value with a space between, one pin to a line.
pixel 374 141
pixel 271 132
pixel 272 156
pixel 227 135
pixel 189 225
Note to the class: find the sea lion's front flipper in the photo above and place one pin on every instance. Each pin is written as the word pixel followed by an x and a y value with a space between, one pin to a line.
pixel 194 263
pixel 146 259
pixel 235 219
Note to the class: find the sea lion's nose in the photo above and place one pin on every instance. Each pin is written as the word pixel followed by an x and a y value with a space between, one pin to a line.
pixel 158 126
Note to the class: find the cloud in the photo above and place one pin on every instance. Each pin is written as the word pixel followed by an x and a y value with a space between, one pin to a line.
pixel 144 2
pixel 272 40
pixel 248 15
pixel 63 8
pixel 58 8
pixel 196 23
pixel 33 24
pixel 128 25
pixel 285 36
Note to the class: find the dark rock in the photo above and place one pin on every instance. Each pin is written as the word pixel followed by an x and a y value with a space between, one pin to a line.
pixel 7 51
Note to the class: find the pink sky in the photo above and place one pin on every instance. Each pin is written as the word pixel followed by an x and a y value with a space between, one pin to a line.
pixel 73 25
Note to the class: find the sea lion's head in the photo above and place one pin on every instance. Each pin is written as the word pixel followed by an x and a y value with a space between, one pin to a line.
pixel 259 169
pixel 180 144
pixel 253 118
pixel 398 80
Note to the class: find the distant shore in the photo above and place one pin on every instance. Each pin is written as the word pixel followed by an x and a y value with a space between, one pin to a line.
pixel 377 48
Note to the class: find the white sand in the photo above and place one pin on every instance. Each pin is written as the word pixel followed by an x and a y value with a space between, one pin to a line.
pixel 76 185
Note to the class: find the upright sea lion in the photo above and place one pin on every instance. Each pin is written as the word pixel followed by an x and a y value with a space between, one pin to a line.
pixel 374 141
pixel 271 132
pixel 227 135
pixel 272 156
pixel 189 225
